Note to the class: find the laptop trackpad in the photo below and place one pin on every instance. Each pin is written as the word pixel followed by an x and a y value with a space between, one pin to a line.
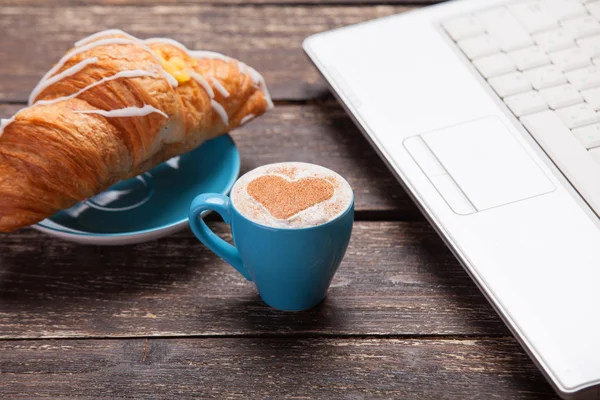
pixel 486 162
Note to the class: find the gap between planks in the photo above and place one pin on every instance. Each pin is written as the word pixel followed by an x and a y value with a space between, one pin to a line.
pixel 424 337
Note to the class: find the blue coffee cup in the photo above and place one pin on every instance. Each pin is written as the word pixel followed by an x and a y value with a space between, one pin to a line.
pixel 291 267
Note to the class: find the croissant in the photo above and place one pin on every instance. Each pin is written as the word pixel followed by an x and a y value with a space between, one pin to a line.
pixel 112 108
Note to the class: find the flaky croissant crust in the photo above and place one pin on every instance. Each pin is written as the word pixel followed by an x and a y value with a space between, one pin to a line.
pixel 62 150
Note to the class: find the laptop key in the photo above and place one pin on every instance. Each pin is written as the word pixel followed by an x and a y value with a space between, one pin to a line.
pixel 571 59
pixel 565 9
pixel 592 97
pixel 590 44
pixel 494 65
pixel 526 103
pixel 545 77
pixel 582 26
pixel 534 16
pixel 479 46
pixel 510 84
pixel 589 136
pixel 505 29
pixel 578 115
pixel 463 28
pixel 530 57
pixel 561 96
pixel 594 9
pixel 554 40
pixel 585 78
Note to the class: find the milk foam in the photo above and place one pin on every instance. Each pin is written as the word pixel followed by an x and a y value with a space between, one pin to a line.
pixel 317 214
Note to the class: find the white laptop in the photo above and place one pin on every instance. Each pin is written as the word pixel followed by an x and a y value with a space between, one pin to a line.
pixel 487 112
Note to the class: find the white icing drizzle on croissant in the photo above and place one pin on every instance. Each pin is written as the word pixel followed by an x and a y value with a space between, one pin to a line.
pixel 88 46
pixel 4 122
pixel 221 111
pixel 202 82
pixel 262 85
pixel 125 112
pixel 67 72
pixel 247 118
pixel 258 79
pixel 90 42
pixel 134 73
pixel 107 32
pixel 220 87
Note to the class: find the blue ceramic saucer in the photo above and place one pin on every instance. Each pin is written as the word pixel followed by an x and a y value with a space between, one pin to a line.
pixel 151 205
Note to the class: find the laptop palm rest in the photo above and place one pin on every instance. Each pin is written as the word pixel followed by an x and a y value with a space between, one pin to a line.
pixel 478 165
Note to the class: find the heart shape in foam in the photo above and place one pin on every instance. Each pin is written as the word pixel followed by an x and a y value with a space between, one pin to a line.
pixel 284 198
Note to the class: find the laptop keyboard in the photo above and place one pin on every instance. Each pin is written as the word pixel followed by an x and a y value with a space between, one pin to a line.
pixel 543 59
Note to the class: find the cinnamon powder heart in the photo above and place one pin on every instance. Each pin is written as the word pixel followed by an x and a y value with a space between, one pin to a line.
pixel 284 198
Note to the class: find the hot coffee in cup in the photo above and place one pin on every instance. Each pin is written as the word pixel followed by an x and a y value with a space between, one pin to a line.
pixel 291 224
pixel 291 195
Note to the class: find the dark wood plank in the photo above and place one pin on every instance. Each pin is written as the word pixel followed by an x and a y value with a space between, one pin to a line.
pixel 257 368
pixel 320 134
pixel 267 37
pixel 397 279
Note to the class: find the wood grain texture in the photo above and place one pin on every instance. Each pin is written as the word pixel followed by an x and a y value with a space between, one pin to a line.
pixel 238 3
pixel 396 279
pixel 255 368
pixel 268 38
pixel 320 134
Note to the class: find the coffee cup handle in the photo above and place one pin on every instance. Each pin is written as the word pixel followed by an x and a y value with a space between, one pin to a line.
pixel 221 204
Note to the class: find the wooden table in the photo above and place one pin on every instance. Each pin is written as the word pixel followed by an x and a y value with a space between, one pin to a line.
pixel 168 319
